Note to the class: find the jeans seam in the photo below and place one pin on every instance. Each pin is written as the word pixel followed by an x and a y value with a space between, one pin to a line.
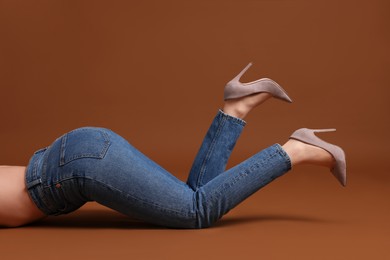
pixel 210 150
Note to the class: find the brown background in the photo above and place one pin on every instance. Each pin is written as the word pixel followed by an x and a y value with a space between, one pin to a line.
pixel 154 72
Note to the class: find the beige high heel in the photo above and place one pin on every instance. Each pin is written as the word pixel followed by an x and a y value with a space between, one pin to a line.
pixel 236 89
pixel 308 136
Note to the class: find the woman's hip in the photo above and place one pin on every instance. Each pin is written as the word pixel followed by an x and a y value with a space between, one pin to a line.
pixel 85 162
pixel 53 182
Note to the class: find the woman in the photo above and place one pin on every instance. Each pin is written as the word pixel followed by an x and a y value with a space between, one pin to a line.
pixel 95 164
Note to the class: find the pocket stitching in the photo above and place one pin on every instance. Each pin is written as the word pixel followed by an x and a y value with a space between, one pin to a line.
pixel 100 155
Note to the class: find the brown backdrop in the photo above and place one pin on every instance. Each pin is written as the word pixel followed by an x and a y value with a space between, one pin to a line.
pixel 154 72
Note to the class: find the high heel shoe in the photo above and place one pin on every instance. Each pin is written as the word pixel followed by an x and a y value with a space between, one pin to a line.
pixel 308 136
pixel 236 89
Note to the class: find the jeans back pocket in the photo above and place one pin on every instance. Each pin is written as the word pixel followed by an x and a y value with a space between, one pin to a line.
pixel 86 142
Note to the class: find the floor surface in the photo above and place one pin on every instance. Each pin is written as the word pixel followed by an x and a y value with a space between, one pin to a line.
pixel 303 215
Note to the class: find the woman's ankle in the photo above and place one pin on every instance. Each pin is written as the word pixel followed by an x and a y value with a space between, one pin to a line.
pixel 235 108
pixel 302 153
pixel 240 107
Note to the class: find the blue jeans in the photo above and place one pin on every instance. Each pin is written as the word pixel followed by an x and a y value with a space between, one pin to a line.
pixel 96 164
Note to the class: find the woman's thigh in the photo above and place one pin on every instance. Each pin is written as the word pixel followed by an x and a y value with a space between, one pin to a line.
pixel 105 168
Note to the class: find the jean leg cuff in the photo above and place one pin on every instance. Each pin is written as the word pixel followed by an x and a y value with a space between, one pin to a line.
pixel 232 118
pixel 283 153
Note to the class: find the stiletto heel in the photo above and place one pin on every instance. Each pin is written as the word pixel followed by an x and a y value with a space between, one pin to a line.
pixel 236 89
pixel 308 136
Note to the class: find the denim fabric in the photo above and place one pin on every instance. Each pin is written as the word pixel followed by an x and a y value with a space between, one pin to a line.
pixel 96 164
pixel 215 150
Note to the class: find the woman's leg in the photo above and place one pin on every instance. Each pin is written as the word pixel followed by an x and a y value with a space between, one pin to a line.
pixel 221 138
pixel 230 188
pixel 215 150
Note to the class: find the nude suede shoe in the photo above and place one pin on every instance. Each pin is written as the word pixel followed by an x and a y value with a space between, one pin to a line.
pixel 308 136
pixel 236 89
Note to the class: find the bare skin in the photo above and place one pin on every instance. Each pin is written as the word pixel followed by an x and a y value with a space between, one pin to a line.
pixel 17 208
